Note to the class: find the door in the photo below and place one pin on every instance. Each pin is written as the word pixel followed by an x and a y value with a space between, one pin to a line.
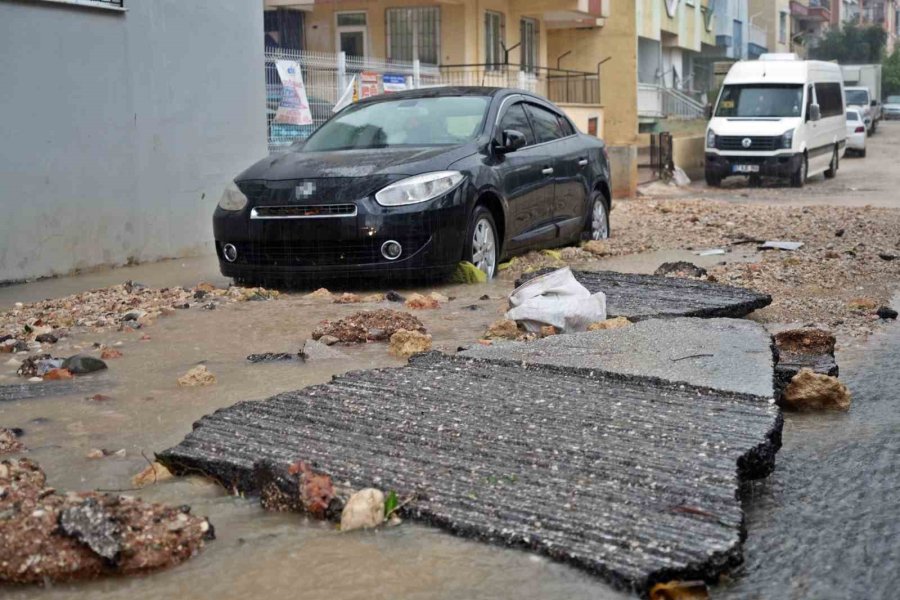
pixel 569 161
pixel 817 134
pixel 352 31
pixel 526 178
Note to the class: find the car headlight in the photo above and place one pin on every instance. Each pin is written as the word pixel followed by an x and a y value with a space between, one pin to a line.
pixel 420 188
pixel 232 198
pixel 787 140
pixel 710 139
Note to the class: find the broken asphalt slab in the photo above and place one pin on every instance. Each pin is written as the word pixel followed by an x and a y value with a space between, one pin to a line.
pixel 728 354
pixel 634 479
pixel 42 389
pixel 639 297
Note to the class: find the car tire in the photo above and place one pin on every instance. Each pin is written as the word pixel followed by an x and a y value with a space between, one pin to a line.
pixel 874 127
pixel 832 170
pixel 862 153
pixel 798 178
pixel 482 247
pixel 754 181
pixel 713 181
pixel 598 219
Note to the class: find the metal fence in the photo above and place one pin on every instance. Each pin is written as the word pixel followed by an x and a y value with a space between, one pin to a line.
pixel 558 85
pixel 326 76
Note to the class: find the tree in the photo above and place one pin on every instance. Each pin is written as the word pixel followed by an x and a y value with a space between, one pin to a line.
pixel 890 74
pixel 852 45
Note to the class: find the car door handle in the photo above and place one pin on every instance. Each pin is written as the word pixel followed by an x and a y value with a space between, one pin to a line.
pixel 582 162
pixel 547 171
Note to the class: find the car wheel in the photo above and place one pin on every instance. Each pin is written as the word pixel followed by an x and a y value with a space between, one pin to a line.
pixel 832 166
pixel 862 153
pixel 481 242
pixel 599 218
pixel 798 179
pixel 712 180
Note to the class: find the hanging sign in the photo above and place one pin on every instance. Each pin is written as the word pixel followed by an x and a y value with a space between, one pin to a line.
pixel 294 107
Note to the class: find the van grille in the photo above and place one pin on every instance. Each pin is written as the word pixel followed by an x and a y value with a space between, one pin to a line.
pixel 757 143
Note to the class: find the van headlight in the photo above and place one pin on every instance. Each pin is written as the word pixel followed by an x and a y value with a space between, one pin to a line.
pixel 232 198
pixel 710 139
pixel 420 188
pixel 787 140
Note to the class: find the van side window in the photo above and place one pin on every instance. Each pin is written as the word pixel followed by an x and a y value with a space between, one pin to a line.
pixel 831 101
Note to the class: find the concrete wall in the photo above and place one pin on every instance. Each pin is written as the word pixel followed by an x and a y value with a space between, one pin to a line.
pixel 689 154
pixel 582 113
pixel 118 130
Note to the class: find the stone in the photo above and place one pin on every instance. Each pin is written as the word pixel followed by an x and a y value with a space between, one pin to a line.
pixel 133 315
pixel 347 298
pixel 320 294
pixel 614 323
pixel 504 329
pixel 886 312
pixel 82 364
pixel 46 338
pixel 548 330
pixel 328 340
pixel 58 375
pixel 364 510
pixel 368 326
pixel 153 473
pixel 863 304
pixel 110 353
pixel 813 391
pixel 680 268
pixel 407 343
pixel 313 350
pixel 887 257
pixel 9 441
pixel 393 296
pixel 420 302
pixel 597 247
pixel 798 349
pixel 196 377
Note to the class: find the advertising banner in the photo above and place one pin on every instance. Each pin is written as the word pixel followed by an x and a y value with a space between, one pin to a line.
pixel 393 83
pixel 294 107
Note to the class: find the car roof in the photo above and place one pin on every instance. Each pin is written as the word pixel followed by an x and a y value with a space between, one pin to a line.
pixel 446 92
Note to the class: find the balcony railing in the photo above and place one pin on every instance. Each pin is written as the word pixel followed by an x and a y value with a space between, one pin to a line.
pixel 558 85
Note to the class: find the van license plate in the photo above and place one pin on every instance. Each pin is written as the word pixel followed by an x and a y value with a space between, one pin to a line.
pixel 745 168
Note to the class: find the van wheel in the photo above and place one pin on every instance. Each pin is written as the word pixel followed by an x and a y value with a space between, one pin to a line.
pixel 712 180
pixel 832 166
pixel 755 181
pixel 798 179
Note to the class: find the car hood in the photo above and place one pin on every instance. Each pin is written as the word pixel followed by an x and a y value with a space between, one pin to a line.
pixel 753 127
pixel 892 106
pixel 297 164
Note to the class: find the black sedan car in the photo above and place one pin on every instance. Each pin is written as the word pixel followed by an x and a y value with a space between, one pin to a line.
pixel 413 183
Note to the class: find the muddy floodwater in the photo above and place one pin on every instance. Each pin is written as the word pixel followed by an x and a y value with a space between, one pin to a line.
pixel 823 526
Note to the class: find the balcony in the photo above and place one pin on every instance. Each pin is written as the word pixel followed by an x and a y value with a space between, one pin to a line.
pixel 562 86
pixel 814 11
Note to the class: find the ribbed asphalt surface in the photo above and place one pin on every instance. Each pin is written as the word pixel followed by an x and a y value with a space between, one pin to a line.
pixel 646 296
pixel 634 479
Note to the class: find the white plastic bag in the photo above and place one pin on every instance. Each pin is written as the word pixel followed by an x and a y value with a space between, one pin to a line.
pixel 556 299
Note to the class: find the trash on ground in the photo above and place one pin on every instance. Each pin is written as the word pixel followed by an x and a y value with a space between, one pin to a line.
pixel 680 178
pixel 153 473
pixel 466 272
pixel 680 268
pixel 809 390
pixel 368 326
pixel 407 343
pixel 105 452
pixel 48 536
pixel 781 245
pixel 556 299
pixel 711 252
pixel 196 377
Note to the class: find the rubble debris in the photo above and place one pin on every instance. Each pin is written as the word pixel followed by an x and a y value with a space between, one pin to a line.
pixel 680 268
pixel 41 389
pixel 198 376
pixel 504 329
pixel 270 357
pixel 110 353
pixel 406 343
pixel 317 350
pixel 9 441
pixel 38 365
pixel 46 338
pixel 548 330
pixel 863 304
pixel 347 298
pixel 614 323
pixel 153 473
pixel 368 326
pixel 296 487
pixel 798 349
pixel 320 294
pixel 467 273
pixel 58 375
pixel 364 510
pixel 886 312
pixel 49 536
pixel 12 345
pixel 809 390
pixel 420 302
pixel 640 297
pixel 82 364
pixel 498 434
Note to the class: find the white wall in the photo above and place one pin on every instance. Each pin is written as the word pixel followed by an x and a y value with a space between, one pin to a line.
pixel 118 131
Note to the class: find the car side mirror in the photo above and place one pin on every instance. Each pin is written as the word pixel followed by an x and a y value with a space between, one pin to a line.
pixel 874 102
pixel 815 113
pixel 512 141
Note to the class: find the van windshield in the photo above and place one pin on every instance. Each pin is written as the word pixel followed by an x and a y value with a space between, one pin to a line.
pixel 857 97
pixel 761 101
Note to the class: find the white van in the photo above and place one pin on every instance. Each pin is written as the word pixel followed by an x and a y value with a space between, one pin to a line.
pixel 778 116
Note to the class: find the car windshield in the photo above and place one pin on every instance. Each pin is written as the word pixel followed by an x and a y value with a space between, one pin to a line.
pixel 852 115
pixel 403 122
pixel 857 97
pixel 761 101
pixel 893 99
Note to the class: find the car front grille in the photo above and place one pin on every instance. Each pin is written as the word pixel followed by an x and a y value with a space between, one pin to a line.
pixel 757 143
pixel 322 253
pixel 315 211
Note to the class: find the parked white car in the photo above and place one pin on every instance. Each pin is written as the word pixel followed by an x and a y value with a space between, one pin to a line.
pixel 861 98
pixel 892 108
pixel 856 132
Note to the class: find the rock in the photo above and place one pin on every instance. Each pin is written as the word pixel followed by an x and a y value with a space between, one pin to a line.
pixel 347 298
pixel 318 350
pixel 58 375
pixel 204 286
pixel 863 304
pixel 296 487
pixel 367 326
pixel 813 391
pixel 81 364
pixel 319 294
pixel 38 365
pixel 438 297
pixel 887 257
pixel 680 590
pixel 133 315
pixel 95 453
pixel 91 525
pixel 328 340
pixel 372 298
pixel 406 343
pixel 614 323
pixel 805 341
pixel 886 312
pixel 485 297
pixel 364 510
pixel 420 302
pixel 270 357
pixel 504 329
pixel 839 233
pixel 153 473
pixel 9 441
pixel 597 247
pixel 680 268
pixel 548 330
pixel 198 376
pixel 110 353
pixel 46 338
pixel 12 346
pixel 393 296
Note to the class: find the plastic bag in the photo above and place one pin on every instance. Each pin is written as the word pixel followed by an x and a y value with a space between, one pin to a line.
pixel 556 299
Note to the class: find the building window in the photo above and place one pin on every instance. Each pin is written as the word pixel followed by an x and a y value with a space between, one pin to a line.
pixel 782 27
pixel 112 4
pixel 738 37
pixel 414 34
pixel 494 34
pixel 530 44
pixel 283 29
pixel 352 32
